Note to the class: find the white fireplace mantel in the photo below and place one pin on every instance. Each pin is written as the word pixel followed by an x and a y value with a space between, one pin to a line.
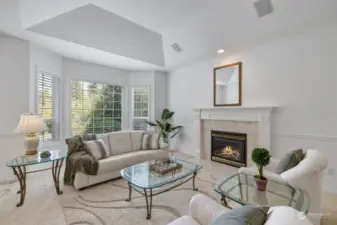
pixel 259 114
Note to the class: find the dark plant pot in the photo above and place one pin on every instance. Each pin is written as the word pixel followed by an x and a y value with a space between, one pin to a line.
pixel 261 184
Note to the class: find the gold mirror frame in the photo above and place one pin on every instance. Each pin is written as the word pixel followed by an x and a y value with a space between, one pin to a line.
pixel 239 64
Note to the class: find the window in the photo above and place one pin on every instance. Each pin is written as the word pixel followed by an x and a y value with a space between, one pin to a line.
pixel 95 108
pixel 140 108
pixel 49 105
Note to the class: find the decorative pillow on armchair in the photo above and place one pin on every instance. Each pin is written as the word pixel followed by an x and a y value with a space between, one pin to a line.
pixel 97 149
pixel 150 141
pixel 290 160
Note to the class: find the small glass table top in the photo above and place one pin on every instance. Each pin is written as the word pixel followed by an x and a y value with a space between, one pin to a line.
pixel 26 160
pixel 141 176
pixel 240 188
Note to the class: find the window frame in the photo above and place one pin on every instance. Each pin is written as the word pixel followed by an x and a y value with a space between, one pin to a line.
pixel 38 70
pixel 132 117
pixel 98 82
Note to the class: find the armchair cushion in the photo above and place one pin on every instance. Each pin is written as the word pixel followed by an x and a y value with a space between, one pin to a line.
pixel 290 160
pixel 246 215
pixel 184 220
pixel 204 209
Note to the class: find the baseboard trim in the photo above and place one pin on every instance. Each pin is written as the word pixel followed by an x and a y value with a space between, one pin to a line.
pixel 306 136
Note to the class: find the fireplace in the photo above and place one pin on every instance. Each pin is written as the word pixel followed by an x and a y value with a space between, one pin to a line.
pixel 229 148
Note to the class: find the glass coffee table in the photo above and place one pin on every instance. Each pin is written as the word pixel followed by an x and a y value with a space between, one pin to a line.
pixel 149 183
pixel 19 164
pixel 240 188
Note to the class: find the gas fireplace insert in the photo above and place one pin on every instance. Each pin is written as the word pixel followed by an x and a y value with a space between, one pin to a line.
pixel 229 148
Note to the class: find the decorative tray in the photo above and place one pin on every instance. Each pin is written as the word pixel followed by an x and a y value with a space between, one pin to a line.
pixel 163 168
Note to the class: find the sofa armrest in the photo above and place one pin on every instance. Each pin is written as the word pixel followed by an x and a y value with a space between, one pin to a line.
pixel 204 209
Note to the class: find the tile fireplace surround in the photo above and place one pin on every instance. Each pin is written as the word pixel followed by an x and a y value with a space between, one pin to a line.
pixel 253 121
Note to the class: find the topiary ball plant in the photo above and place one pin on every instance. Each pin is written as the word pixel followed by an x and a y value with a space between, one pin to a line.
pixel 261 158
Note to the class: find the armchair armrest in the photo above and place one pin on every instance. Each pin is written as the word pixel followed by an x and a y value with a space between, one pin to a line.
pixel 204 209
pixel 266 173
pixel 272 164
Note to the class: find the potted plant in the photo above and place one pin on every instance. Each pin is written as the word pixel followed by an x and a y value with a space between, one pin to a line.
pixel 166 128
pixel 261 158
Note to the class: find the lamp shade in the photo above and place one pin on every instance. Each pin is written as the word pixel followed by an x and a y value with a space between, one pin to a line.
pixel 30 123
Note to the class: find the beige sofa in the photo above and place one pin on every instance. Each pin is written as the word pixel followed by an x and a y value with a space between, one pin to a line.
pixel 125 150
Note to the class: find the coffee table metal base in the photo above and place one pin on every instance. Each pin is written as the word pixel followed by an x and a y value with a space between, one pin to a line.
pixel 148 193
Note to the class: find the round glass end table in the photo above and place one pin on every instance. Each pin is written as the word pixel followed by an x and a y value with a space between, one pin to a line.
pixel 240 188
pixel 19 164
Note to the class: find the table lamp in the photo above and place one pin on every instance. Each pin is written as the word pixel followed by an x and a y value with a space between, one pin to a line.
pixel 30 124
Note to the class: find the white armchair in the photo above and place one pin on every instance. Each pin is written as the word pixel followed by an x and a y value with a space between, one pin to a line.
pixel 203 210
pixel 307 175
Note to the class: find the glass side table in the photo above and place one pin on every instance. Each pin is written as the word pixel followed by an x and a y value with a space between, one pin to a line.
pixel 19 164
pixel 240 188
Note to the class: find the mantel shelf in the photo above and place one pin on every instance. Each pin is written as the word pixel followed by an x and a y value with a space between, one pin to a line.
pixel 237 108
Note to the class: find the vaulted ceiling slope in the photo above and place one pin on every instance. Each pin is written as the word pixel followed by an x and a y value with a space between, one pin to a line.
pixel 97 28
pixel 200 27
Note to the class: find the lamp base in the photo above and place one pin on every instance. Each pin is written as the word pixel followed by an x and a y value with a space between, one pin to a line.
pixel 31 143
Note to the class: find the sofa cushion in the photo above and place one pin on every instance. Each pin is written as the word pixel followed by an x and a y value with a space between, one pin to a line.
pixel 290 160
pixel 286 215
pixel 245 215
pixel 136 139
pixel 97 149
pixel 118 162
pixel 150 141
pixel 119 142
pixel 184 220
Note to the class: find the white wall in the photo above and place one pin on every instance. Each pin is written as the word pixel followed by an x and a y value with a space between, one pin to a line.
pixel 160 93
pixel 14 98
pixel 92 72
pixel 297 73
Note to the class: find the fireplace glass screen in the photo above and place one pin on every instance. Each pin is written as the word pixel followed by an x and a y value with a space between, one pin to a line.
pixel 229 148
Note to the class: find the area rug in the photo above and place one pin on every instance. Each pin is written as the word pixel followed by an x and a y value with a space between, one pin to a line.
pixel 105 203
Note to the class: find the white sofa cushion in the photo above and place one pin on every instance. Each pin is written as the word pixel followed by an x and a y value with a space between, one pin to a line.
pixel 184 220
pixel 136 140
pixel 119 142
pixel 118 162
pixel 284 215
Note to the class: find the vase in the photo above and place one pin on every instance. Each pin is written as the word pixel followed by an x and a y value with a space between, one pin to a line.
pixel 261 184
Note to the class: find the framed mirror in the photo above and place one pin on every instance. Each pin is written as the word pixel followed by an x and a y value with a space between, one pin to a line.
pixel 227 85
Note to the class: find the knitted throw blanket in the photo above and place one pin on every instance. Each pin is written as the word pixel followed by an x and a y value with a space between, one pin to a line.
pixel 79 158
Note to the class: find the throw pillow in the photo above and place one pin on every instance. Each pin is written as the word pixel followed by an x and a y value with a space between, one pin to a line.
pixel 97 149
pixel 245 215
pixel 150 141
pixel 290 160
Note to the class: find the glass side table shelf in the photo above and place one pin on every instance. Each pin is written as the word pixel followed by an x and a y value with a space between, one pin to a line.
pixel 240 188
pixel 19 164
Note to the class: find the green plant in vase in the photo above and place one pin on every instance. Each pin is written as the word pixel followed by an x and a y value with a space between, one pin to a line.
pixel 261 158
pixel 166 128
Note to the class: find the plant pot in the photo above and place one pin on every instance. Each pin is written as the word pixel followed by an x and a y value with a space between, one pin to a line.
pixel 261 184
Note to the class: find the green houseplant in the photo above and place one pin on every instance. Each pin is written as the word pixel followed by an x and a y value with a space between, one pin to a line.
pixel 166 128
pixel 261 158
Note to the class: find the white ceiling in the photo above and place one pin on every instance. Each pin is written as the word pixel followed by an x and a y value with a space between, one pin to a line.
pixel 199 26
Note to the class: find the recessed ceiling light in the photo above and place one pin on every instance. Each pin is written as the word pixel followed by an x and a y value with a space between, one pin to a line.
pixel 221 51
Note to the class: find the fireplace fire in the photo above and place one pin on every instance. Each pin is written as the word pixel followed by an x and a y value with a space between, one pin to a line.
pixel 229 148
